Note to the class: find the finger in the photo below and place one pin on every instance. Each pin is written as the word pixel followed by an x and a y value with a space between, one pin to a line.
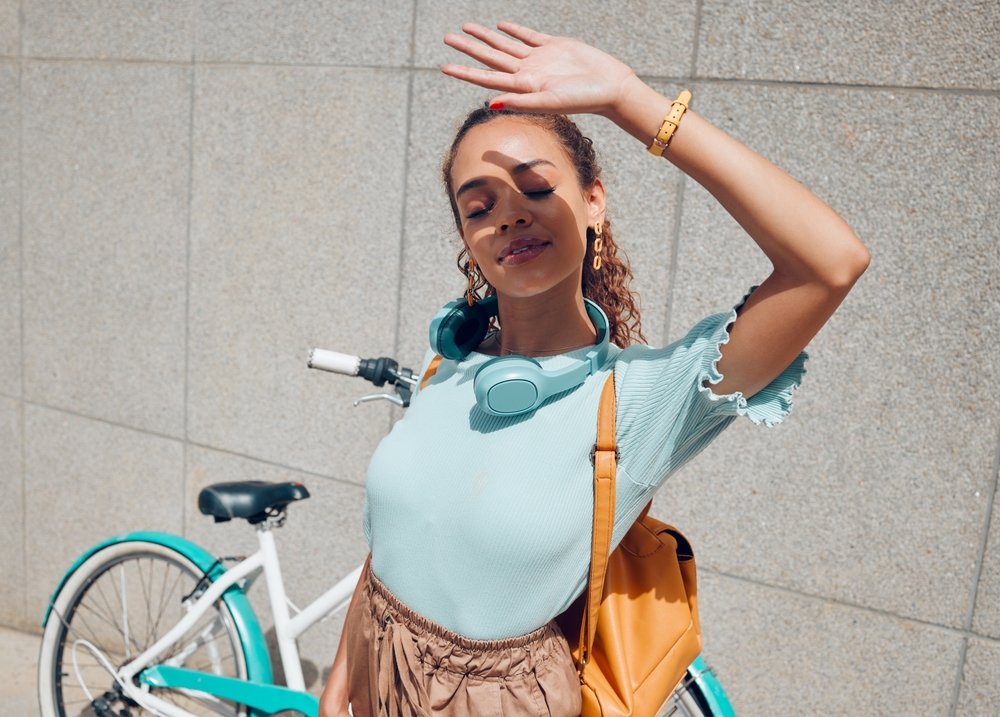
pixel 537 102
pixel 477 51
pixel 496 40
pixel 484 78
pixel 524 34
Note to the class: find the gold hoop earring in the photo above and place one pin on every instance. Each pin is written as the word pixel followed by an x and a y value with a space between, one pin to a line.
pixel 598 245
pixel 470 294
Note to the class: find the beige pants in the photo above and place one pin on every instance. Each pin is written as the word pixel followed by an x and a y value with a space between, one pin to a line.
pixel 401 664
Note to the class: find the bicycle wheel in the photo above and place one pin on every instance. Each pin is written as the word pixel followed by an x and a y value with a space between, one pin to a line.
pixel 686 701
pixel 117 604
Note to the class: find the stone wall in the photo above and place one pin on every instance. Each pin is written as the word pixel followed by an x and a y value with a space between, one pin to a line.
pixel 194 193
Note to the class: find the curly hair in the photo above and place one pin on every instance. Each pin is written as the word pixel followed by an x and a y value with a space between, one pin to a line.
pixel 607 287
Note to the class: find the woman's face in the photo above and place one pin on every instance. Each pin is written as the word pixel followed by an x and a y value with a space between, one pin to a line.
pixel 524 216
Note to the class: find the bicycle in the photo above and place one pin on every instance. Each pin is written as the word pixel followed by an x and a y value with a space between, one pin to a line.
pixel 150 623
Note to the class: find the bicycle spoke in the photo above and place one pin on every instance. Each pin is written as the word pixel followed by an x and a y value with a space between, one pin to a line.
pixel 110 610
pixel 163 599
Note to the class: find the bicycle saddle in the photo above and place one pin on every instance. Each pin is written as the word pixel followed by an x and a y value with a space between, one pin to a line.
pixel 250 499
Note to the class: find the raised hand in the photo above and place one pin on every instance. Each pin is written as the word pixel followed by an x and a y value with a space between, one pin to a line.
pixel 541 73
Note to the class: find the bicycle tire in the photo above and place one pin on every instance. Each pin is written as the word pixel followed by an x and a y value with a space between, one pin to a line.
pixel 687 701
pixel 133 588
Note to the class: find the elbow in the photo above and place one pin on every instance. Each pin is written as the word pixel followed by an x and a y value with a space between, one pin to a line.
pixel 850 266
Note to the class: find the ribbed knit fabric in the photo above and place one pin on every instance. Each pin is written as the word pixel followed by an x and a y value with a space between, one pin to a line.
pixel 482 524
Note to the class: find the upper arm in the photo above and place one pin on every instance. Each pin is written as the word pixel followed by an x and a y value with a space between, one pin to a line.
pixel 773 326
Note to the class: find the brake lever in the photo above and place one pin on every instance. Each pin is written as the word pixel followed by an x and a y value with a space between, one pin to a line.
pixel 392 397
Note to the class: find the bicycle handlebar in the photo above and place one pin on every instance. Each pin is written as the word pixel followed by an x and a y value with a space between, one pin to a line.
pixel 334 362
pixel 378 371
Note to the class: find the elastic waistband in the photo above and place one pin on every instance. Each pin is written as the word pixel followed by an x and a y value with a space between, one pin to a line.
pixel 421 623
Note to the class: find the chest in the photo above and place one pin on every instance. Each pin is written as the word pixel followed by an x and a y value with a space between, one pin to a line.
pixel 449 472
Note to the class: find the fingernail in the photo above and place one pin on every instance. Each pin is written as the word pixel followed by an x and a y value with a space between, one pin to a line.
pixel 496 105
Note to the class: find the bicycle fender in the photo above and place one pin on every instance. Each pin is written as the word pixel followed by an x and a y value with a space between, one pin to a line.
pixel 711 690
pixel 254 645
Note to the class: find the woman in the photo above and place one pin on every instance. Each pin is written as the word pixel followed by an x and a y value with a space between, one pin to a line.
pixel 479 524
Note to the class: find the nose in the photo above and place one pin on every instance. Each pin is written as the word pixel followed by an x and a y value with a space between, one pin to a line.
pixel 512 214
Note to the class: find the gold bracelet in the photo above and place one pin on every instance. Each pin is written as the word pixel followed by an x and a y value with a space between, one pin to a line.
pixel 670 124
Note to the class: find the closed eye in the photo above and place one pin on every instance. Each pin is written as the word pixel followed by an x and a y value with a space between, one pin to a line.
pixel 537 194
pixel 479 212
pixel 540 193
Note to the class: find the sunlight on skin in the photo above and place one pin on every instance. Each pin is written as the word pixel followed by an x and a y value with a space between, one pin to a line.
pixel 541 210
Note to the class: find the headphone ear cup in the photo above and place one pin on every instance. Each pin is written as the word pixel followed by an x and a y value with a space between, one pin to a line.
pixel 509 385
pixel 458 329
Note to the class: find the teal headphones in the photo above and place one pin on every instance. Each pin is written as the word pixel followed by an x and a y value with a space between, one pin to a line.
pixel 511 385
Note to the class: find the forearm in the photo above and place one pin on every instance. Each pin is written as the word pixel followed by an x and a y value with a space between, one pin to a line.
pixel 803 237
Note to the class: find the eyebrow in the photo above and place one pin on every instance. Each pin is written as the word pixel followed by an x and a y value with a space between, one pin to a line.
pixel 518 169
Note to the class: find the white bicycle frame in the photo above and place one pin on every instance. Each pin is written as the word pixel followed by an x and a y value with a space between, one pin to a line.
pixel 286 628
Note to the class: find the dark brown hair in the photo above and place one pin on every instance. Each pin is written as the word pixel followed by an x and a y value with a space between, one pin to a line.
pixel 607 287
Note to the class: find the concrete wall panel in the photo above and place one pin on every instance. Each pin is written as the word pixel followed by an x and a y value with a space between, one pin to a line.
pixel 624 31
pixel 85 481
pixel 210 189
pixel 322 541
pixel 979 694
pixel 781 653
pixel 10 230
pixel 874 491
pixel 105 191
pixel 295 237
pixel 351 32
pixel 127 30
pixel 10 28
pixel 913 43
pixel 12 573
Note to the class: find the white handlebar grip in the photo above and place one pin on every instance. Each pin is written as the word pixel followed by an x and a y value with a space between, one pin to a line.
pixel 333 361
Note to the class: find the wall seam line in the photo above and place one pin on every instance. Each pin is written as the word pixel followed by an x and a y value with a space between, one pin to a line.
pixel 402 210
pixel 693 71
pixel 974 590
pixel 273 464
pixel 675 241
pixel 984 536
pixel 759 82
pixel 821 85
pixel 187 275
pixel 957 632
pixel 194 444
pixel 675 232
pixel 20 272
pixel 217 63
pixel 959 674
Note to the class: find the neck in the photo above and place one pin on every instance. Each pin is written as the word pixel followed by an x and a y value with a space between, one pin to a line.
pixel 549 323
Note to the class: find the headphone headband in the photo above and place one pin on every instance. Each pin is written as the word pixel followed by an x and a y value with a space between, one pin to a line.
pixel 511 385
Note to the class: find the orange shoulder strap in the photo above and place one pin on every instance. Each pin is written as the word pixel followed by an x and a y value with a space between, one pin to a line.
pixel 432 368
pixel 605 467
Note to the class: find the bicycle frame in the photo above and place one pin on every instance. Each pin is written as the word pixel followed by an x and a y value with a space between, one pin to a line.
pixel 269 698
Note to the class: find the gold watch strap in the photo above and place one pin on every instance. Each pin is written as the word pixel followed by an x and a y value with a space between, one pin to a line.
pixel 670 124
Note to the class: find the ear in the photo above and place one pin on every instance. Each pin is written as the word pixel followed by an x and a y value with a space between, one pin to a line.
pixel 595 197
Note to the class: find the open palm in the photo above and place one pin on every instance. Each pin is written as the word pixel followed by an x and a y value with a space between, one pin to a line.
pixel 539 72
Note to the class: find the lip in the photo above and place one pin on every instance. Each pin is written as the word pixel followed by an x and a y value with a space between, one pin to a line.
pixel 526 247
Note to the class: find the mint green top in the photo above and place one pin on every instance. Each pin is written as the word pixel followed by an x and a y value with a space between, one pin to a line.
pixel 482 524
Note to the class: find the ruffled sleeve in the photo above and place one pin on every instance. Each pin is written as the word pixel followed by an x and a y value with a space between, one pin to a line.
pixel 771 404
pixel 667 412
